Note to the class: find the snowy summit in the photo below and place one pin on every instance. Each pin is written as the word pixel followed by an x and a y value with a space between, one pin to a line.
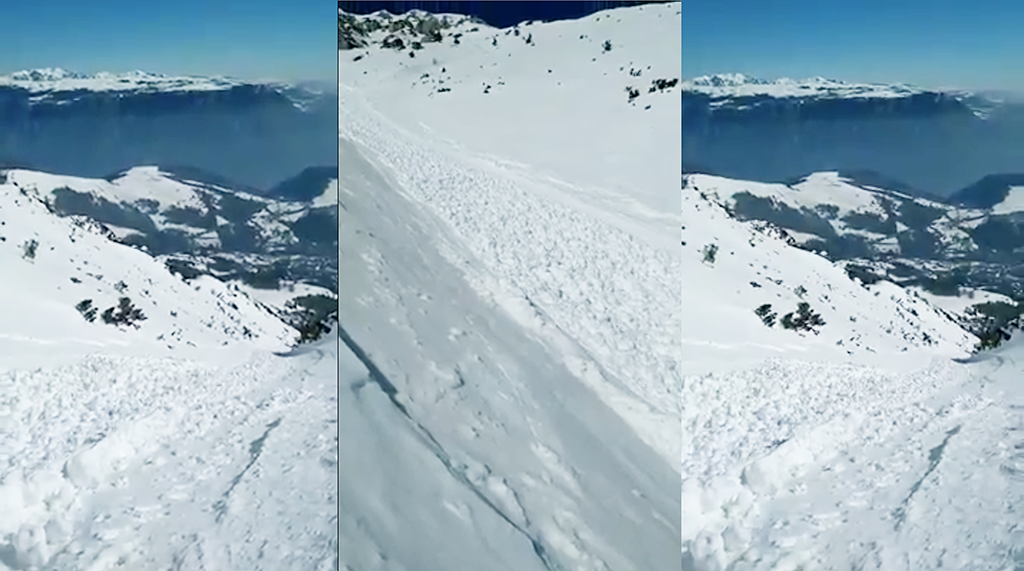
pixel 58 80
pixel 739 85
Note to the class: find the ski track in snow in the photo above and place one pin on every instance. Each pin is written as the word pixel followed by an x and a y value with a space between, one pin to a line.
pixel 145 463
pixel 614 294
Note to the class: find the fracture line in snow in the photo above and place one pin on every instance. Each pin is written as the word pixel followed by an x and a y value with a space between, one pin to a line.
pixel 255 449
pixel 378 378
pixel 934 457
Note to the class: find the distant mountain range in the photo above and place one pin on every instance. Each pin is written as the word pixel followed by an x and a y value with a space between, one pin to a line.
pixel 936 141
pixel 93 124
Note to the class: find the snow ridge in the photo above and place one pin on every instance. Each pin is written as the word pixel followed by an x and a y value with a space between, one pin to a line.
pixel 739 85
pixel 50 80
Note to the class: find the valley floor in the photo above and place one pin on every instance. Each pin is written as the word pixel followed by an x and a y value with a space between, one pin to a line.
pixel 157 463
pixel 795 465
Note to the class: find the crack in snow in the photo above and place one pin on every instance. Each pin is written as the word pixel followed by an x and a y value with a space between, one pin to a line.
pixel 378 378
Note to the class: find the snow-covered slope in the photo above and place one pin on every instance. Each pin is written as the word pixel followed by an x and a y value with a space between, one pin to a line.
pixel 754 265
pixel 827 207
pixel 148 462
pixel 508 98
pixel 51 264
pixel 530 451
pixel 864 446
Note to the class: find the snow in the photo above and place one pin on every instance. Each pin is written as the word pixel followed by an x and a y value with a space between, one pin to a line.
pixel 511 288
pixel 603 168
pixel 279 298
pixel 139 183
pixel 738 85
pixel 198 439
pixel 817 189
pixel 826 467
pixel 329 197
pixel 520 464
pixel 961 304
pixel 719 299
pixel 1013 203
pixel 147 463
pixel 74 261
pixel 882 453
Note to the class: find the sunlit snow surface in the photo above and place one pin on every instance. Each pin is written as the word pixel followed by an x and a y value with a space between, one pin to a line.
pixel 159 463
pixel 826 467
pixel 519 298
pixel 866 446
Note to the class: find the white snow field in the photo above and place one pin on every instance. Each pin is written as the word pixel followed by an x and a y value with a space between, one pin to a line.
pixel 196 440
pixel 866 446
pixel 517 299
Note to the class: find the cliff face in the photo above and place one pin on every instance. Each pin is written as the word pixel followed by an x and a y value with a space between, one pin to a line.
pixel 252 133
pixel 935 141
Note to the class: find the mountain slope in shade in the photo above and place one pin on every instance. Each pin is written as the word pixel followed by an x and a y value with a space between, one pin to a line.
pixel 312 184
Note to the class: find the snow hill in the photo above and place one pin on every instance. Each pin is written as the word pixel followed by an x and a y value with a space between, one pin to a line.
pixel 512 287
pixel 75 259
pixel 758 264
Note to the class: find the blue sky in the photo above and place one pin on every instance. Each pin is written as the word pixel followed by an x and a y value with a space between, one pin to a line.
pixel 944 43
pixel 264 39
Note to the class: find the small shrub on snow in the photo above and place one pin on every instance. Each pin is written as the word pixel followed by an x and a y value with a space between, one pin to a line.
pixel 710 251
pixel 803 320
pixel 29 248
pixel 606 46
pixel 86 308
pixel 124 314
pixel 766 314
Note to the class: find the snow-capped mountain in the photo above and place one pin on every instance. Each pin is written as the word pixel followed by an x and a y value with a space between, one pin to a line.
pixel 93 124
pixel 850 216
pixel 960 255
pixel 847 218
pixel 732 85
pixel 177 213
pixel 52 81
